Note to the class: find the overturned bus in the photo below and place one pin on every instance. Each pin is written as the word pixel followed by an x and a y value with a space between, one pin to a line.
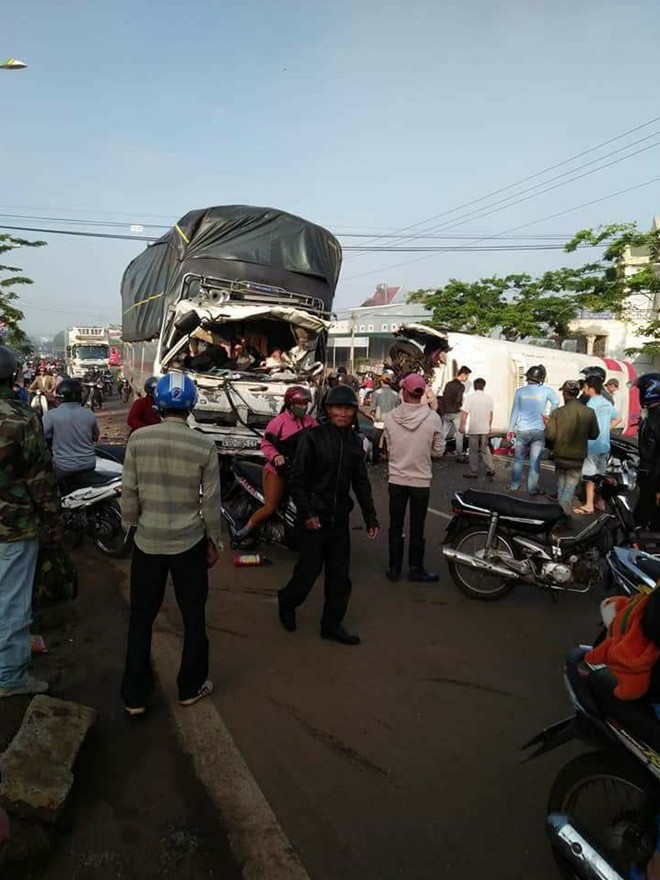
pixel 240 297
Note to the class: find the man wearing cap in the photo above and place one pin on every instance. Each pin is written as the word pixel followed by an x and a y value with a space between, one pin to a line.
pixel 413 434
pixel 567 433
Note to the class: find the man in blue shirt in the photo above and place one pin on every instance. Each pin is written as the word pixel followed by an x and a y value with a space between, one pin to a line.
pixel 72 431
pixel 531 405
pixel 598 449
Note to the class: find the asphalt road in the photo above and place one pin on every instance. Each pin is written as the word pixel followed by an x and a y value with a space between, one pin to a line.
pixel 398 758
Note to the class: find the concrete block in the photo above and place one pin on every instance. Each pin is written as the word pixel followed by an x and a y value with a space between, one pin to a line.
pixel 36 769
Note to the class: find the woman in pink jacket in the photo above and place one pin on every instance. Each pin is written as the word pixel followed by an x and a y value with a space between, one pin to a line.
pixel 279 447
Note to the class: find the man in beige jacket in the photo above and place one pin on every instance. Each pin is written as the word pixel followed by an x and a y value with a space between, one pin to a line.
pixel 413 434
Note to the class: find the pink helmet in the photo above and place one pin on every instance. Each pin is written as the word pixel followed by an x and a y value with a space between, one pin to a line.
pixel 297 395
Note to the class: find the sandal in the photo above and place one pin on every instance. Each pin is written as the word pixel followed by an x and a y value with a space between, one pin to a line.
pixel 582 511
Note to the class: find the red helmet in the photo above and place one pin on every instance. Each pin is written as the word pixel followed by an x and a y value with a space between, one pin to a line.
pixel 297 395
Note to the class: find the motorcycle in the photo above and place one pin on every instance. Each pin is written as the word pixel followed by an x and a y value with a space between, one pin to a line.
pixel 93 509
pixel 603 806
pixel 496 541
pixel 93 393
pixel 124 389
pixel 243 496
pixel 632 570
pixel 39 403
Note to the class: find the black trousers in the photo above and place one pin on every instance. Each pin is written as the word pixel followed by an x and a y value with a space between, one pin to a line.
pixel 329 547
pixel 647 512
pixel 419 504
pixel 148 580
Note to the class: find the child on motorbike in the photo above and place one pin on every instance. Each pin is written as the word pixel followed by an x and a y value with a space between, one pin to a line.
pixel 279 447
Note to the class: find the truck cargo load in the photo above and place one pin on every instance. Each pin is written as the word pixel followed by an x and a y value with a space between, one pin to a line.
pixel 234 243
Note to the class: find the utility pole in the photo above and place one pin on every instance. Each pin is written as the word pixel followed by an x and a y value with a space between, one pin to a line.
pixel 351 356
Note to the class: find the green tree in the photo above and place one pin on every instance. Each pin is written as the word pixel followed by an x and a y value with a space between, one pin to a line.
pixel 519 306
pixel 10 315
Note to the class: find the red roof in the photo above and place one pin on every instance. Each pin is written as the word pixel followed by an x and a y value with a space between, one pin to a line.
pixel 382 296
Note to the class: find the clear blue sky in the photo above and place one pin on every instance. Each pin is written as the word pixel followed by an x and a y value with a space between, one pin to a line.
pixel 353 114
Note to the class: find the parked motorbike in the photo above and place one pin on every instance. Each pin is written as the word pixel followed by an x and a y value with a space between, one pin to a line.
pixel 624 459
pixel 496 541
pixel 244 495
pixel 92 510
pixel 603 807
pixel 632 570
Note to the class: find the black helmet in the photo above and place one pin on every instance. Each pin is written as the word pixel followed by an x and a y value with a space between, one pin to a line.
pixel 649 389
pixel 150 384
pixel 70 390
pixel 593 371
pixel 8 363
pixel 342 395
pixel 536 374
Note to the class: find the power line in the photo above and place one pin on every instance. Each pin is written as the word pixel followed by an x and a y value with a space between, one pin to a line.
pixel 361 248
pixel 393 236
pixel 529 177
pixel 515 199
pixel 516 228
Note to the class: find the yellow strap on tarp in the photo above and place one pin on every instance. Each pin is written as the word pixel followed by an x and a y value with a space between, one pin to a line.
pixel 182 234
pixel 142 302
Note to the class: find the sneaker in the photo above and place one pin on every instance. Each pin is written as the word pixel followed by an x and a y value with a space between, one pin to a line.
pixel 422 576
pixel 204 691
pixel 340 635
pixel 31 686
pixel 393 575
pixel 135 711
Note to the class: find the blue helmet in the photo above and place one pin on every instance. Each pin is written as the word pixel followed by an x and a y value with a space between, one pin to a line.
pixel 649 389
pixel 175 391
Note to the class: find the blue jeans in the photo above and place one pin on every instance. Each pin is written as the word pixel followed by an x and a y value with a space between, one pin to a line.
pixel 18 563
pixel 534 441
pixel 568 479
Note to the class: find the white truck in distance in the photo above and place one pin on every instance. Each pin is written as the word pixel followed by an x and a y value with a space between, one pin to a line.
pixel 86 348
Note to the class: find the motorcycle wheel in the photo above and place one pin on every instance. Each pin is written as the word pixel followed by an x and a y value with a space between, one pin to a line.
pixel 611 805
pixel 116 544
pixel 473 583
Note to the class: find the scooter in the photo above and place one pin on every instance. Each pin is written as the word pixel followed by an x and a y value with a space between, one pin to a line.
pixel 92 510
pixel 603 807
pixel 39 403
pixel 243 496
pixel 496 541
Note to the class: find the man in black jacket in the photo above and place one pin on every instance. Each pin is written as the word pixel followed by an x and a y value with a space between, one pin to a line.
pixel 329 462
pixel 647 510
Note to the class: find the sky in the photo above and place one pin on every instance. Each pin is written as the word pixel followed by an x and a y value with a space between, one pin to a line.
pixel 362 116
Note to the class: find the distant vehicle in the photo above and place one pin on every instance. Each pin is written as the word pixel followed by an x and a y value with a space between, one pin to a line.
pixel 86 348
pixel 239 297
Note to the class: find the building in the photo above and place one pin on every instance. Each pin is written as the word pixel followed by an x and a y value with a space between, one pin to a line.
pixel 607 336
pixel 361 338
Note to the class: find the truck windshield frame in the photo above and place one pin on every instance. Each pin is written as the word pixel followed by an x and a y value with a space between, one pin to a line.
pixel 88 351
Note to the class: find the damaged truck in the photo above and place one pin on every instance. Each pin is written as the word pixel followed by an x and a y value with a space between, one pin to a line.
pixel 241 298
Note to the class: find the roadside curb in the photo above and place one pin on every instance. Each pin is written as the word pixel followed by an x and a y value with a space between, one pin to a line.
pixel 257 840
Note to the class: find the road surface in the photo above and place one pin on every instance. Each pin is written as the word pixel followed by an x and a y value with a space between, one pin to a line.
pixel 398 758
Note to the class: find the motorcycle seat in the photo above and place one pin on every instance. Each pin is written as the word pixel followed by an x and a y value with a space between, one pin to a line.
pixel 85 480
pixel 252 471
pixel 650 565
pixel 636 716
pixel 506 505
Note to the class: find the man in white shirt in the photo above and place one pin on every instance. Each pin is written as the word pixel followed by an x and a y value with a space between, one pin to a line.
pixel 477 416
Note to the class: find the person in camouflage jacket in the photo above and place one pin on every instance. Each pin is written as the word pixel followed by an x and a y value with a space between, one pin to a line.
pixel 29 502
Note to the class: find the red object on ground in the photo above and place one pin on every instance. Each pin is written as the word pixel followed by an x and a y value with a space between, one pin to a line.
pixel 247 559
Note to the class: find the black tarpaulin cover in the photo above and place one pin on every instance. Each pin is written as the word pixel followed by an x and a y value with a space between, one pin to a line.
pixel 236 242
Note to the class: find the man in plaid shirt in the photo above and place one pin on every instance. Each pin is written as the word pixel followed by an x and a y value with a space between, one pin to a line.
pixel 171 495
